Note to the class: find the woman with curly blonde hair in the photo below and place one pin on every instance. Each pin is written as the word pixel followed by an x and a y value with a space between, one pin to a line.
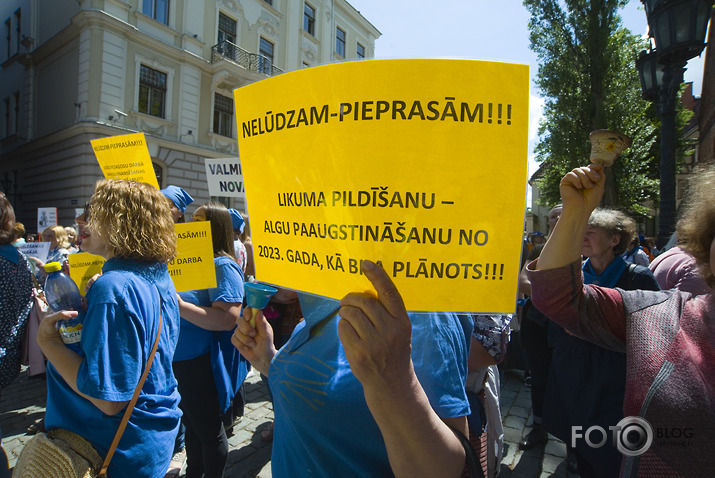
pixel 130 225
pixel 667 336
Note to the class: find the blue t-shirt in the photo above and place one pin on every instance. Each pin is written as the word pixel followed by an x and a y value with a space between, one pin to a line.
pixel 125 305
pixel 193 340
pixel 323 425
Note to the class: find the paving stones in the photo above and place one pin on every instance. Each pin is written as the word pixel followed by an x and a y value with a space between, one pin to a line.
pixel 23 401
pixel 539 462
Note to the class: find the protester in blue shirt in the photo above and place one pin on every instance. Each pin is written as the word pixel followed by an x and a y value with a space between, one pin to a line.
pixel 208 368
pixel 178 200
pixel 364 389
pixel 130 225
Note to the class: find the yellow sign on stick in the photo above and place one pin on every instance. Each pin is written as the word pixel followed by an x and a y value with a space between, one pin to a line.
pixel 418 164
pixel 125 157
pixel 84 266
pixel 193 267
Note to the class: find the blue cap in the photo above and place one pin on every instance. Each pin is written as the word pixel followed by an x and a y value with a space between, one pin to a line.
pixel 237 220
pixel 178 196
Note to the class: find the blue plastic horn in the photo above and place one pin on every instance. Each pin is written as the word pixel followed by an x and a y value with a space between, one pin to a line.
pixel 258 295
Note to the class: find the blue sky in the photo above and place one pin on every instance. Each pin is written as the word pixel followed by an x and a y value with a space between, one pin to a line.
pixel 476 29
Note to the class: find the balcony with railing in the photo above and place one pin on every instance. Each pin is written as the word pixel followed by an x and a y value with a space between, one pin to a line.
pixel 250 61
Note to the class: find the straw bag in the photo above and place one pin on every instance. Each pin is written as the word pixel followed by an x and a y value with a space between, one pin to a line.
pixel 58 454
pixel 62 454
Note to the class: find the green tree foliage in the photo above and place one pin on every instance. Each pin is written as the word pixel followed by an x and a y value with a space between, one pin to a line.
pixel 587 75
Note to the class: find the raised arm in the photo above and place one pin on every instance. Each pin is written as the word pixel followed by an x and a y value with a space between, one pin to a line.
pixel 376 333
pixel 557 285
pixel 581 192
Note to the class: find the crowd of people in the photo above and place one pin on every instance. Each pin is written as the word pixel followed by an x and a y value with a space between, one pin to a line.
pixel 611 329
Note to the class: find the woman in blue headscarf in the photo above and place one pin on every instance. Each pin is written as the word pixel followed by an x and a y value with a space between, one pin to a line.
pixel 179 200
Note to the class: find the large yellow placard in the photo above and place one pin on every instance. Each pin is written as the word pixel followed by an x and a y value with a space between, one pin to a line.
pixel 418 164
pixel 125 157
pixel 193 268
pixel 84 266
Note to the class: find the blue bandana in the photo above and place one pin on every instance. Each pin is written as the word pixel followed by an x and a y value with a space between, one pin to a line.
pixel 236 220
pixel 609 277
pixel 178 196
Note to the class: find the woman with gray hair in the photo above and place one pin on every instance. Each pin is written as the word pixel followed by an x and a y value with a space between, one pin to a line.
pixel 587 382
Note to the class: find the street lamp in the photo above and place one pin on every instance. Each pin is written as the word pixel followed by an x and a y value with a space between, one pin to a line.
pixel 651 74
pixel 679 28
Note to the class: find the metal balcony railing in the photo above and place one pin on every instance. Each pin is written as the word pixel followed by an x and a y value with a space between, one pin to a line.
pixel 250 61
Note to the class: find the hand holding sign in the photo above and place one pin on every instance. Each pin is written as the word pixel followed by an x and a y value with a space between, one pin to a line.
pixel 376 333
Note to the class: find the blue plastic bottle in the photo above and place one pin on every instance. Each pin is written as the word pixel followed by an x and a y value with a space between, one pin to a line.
pixel 62 294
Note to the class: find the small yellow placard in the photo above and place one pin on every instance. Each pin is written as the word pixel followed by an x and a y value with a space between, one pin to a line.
pixel 125 157
pixel 83 266
pixel 193 268
pixel 418 164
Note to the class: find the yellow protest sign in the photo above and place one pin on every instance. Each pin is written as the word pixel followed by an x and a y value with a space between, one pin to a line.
pixel 125 157
pixel 418 164
pixel 193 267
pixel 83 266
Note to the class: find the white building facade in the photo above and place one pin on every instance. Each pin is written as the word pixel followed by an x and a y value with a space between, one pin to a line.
pixel 72 71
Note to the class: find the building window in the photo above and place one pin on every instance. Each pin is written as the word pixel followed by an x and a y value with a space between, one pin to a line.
pixel 340 42
pixel 152 91
pixel 8 35
pixel 360 52
pixel 16 126
pixel 223 115
pixel 225 200
pixel 269 2
pixel 265 58
pixel 18 19
pixel 309 19
pixel 159 173
pixel 226 29
pixel 157 9
pixel 6 103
